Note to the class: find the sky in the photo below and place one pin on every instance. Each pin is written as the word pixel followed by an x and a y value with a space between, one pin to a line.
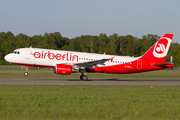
pixel 73 18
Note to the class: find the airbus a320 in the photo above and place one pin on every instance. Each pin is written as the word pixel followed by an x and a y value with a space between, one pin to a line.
pixel 67 62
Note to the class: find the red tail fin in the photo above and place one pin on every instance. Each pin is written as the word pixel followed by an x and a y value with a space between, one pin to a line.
pixel 160 49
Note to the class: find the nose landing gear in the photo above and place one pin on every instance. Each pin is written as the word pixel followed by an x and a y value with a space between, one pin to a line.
pixel 26 73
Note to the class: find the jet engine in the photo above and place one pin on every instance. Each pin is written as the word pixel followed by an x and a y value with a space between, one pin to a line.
pixel 64 69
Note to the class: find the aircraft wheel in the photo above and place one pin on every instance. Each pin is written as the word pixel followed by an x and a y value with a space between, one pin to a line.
pixel 81 77
pixel 26 73
pixel 84 77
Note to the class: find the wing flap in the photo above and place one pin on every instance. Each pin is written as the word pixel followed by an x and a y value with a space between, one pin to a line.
pixel 92 63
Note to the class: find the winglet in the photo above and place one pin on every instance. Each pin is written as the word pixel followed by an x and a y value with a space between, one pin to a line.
pixel 111 59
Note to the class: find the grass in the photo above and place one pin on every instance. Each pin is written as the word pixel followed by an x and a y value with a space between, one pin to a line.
pixel 47 102
pixel 53 102
pixel 161 74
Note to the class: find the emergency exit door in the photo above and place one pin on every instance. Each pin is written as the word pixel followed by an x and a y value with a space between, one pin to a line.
pixel 139 64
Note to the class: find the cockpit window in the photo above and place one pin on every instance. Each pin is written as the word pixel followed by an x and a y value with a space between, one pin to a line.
pixel 16 52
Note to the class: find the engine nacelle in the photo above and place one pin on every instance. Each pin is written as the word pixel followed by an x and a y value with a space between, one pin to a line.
pixel 64 69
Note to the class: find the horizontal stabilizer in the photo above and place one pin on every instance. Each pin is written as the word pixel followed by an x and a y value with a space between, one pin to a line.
pixel 162 64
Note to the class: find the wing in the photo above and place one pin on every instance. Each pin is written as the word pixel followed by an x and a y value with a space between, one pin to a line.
pixel 91 63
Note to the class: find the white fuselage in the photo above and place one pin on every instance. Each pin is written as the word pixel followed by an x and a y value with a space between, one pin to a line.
pixel 49 58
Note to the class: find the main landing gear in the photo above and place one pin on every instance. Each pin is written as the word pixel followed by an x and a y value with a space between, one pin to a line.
pixel 26 73
pixel 83 76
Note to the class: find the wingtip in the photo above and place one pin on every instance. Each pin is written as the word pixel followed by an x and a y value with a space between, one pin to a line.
pixel 111 59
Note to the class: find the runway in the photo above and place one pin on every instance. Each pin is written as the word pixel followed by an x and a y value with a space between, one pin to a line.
pixel 66 81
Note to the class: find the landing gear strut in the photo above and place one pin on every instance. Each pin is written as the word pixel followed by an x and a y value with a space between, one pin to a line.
pixel 26 73
pixel 83 76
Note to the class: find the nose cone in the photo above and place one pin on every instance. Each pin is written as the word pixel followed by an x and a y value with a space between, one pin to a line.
pixel 7 58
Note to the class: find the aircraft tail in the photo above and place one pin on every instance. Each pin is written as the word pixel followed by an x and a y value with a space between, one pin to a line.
pixel 160 49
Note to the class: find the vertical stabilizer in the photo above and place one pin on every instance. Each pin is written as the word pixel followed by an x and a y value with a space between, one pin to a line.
pixel 160 49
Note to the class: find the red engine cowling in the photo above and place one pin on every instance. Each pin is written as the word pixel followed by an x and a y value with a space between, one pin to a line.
pixel 63 69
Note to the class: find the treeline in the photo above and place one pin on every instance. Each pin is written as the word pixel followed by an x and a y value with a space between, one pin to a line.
pixel 113 44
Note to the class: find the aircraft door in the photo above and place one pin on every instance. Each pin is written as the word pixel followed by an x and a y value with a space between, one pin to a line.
pixel 139 64
pixel 27 54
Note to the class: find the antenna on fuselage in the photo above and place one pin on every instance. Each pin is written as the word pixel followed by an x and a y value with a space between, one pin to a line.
pixel 104 53
pixel 30 46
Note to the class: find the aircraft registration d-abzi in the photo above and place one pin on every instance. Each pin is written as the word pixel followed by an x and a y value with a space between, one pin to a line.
pixel 67 62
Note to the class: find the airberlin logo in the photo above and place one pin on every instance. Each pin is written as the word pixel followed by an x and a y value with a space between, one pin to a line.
pixel 58 56
pixel 161 47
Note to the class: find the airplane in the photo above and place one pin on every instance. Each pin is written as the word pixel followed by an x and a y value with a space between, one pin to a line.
pixel 67 62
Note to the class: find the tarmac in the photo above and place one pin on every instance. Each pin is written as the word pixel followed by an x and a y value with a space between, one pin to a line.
pixel 93 81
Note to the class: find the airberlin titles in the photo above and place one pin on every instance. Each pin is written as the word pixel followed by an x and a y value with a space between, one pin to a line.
pixel 58 56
